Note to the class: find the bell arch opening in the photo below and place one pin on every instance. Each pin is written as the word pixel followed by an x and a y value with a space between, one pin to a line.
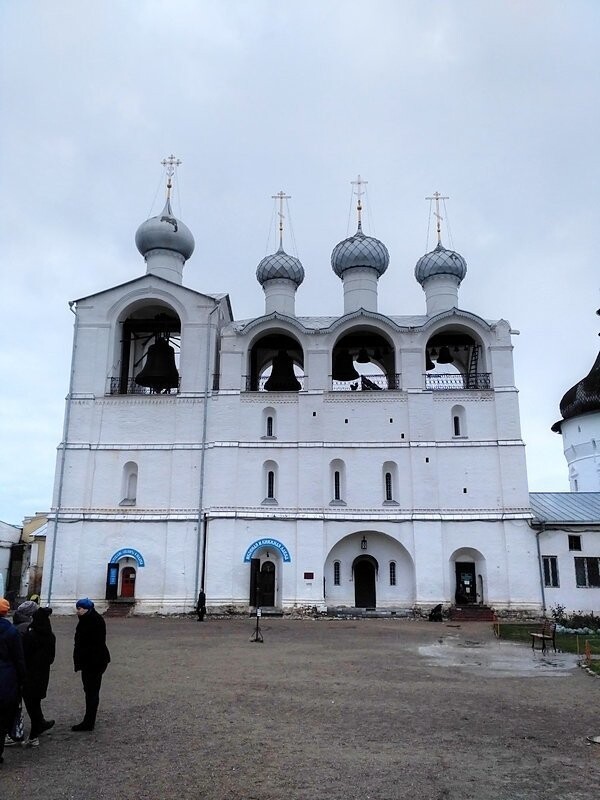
pixel 276 364
pixel 455 359
pixel 363 360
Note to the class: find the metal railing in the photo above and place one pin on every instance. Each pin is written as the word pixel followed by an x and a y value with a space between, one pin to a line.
pixel 368 383
pixel 444 382
pixel 129 386
pixel 258 384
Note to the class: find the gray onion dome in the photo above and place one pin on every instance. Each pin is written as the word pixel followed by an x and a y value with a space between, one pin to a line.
pixel 360 251
pixel 440 262
pixel 165 232
pixel 280 265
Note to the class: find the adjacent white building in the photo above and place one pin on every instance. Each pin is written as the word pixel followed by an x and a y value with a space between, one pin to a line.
pixel 364 460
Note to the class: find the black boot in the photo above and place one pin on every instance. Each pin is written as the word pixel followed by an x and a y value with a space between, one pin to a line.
pixel 82 726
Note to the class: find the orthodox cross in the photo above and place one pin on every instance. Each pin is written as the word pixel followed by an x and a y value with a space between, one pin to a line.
pixel 437 197
pixel 281 196
pixel 170 164
pixel 359 183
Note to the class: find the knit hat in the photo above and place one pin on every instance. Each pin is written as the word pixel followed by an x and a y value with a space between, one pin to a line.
pixel 28 608
pixel 4 607
pixel 84 602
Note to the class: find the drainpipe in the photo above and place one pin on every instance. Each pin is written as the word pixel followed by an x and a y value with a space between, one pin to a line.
pixel 61 475
pixel 202 523
pixel 540 565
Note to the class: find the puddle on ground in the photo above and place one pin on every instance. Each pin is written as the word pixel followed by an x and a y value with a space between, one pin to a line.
pixel 497 658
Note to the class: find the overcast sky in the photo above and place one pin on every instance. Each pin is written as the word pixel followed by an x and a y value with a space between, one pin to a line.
pixel 494 103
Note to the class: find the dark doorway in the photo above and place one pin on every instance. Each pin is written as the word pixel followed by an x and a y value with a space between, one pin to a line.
pixel 364 568
pixel 466 589
pixel 128 582
pixel 267 584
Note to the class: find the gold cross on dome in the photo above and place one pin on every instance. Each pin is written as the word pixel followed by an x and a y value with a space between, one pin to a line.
pixel 437 197
pixel 170 164
pixel 359 183
pixel 281 196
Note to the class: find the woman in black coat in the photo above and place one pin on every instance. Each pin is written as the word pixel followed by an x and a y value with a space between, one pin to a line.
pixel 91 657
pixel 39 648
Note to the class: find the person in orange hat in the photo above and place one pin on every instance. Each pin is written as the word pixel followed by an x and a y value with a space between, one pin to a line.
pixel 12 672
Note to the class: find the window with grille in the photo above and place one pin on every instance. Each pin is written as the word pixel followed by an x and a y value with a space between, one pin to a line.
pixel 587 571
pixel 575 543
pixel 270 484
pixel 336 573
pixel 389 492
pixel 550 571
pixel 337 485
pixel 392 573
pixel 269 426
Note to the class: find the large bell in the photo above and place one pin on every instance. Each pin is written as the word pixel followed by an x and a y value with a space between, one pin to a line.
pixel 363 356
pixel 282 378
pixel 159 371
pixel 343 367
pixel 445 356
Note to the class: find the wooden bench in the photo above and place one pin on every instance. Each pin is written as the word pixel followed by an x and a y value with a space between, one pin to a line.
pixel 547 634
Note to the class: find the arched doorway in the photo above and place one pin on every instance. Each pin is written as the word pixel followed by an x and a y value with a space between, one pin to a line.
pixel 364 571
pixel 128 582
pixel 267 584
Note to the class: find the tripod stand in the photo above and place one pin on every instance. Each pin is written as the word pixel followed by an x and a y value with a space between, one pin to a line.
pixel 257 635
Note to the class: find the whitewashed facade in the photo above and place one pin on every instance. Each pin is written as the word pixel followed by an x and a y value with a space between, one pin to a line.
pixel 315 460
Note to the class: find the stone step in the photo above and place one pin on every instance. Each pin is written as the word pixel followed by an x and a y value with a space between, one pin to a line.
pixel 471 614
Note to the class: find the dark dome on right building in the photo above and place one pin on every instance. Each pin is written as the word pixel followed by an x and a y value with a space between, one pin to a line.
pixel 582 398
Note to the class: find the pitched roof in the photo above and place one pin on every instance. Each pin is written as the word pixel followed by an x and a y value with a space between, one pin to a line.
pixel 565 507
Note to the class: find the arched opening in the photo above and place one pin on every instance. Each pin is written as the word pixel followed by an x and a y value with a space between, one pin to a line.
pixel 276 364
pixel 149 355
pixel 454 359
pixel 128 582
pixel 364 570
pixel 363 360
pixel 267 584
pixel 468 576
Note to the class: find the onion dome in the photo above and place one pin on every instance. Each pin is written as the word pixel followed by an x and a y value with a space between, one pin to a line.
pixel 582 398
pixel 280 265
pixel 165 232
pixel 360 251
pixel 440 262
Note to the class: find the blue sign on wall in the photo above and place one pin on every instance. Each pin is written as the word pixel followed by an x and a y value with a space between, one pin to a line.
pixel 264 543
pixel 128 552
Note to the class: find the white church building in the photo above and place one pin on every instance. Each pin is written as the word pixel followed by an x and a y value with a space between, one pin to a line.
pixel 359 461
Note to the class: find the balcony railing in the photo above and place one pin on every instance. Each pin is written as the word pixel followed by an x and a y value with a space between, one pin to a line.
pixel 129 386
pixel 444 382
pixel 368 383
pixel 258 384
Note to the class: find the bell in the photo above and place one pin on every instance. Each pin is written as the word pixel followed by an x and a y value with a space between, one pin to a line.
pixel 159 371
pixel 363 356
pixel 445 356
pixel 429 365
pixel 282 378
pixel 343 367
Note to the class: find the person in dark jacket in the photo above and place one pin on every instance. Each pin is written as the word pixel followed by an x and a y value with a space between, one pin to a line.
pixel 91 657
pixel 12 672
pixel 39 648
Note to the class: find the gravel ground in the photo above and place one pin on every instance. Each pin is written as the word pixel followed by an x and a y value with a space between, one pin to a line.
pixel 335 709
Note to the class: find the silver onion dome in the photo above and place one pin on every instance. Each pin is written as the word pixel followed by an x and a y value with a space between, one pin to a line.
pixel 165 232
pixel 360 251
pixel 440 262
pixel 280 265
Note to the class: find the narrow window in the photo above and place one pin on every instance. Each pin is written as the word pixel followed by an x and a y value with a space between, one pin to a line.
pixel 456 421
pixel 392 573
pixel 270 484
pixel 550 571
pixel 269 426
pixel 389 494
pixel 337 486
pixel 575 543
pixel 336 573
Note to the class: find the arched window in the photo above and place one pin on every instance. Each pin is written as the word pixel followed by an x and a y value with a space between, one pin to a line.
pixel 336 573
pixel 392 573
pixel 269 426
pixel 270 482
pixel 269 420
pixel 338 482
pixel 129 483
pixel 459 421
pixel 390 483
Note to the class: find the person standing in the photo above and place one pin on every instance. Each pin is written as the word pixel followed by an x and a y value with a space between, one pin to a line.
pixel 12 672
pixel 91 658
pixel 39 648
pixel 201 606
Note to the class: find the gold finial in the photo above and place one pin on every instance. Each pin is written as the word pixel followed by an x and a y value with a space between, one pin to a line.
pixel 437 197
pixel 281 196
pixel 171 163
pixel 359 183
